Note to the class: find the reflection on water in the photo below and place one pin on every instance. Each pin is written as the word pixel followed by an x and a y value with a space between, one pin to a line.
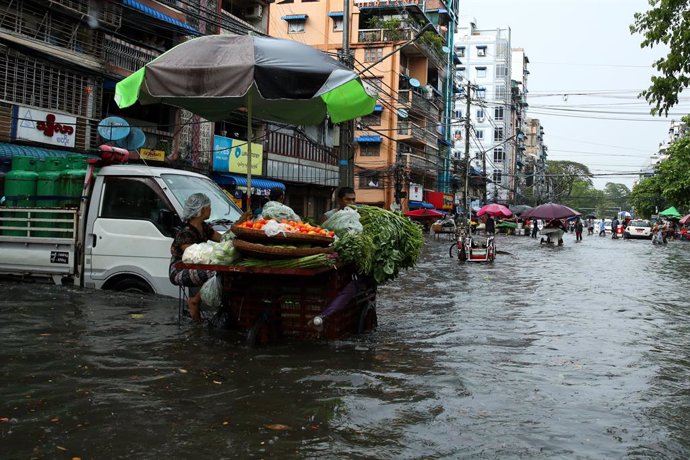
pixel 580 351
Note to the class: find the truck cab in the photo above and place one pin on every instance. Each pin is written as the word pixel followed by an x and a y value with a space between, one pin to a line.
pixel 131 221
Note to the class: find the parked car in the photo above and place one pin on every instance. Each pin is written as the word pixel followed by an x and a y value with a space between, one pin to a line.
pixel 638 229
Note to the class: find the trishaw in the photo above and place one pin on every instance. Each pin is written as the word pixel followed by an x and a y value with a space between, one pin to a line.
pixel 472 249
pixel 272 304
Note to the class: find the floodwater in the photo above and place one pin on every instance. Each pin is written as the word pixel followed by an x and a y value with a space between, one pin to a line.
pixel 574 352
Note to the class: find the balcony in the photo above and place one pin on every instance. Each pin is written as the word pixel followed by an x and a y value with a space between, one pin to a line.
pixel 299 148
pixel 388 3
pixel 385 35
pixel 233 24
pixel 421 163
pixel 123 56
pixel 416 102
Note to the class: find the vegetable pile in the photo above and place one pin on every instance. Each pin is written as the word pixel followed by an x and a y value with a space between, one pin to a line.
pixel 289 226
pixel 388 243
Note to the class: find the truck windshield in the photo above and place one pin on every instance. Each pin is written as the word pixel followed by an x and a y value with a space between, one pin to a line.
pixel 222 207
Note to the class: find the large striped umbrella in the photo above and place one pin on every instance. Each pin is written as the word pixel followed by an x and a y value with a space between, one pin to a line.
pixel 271 78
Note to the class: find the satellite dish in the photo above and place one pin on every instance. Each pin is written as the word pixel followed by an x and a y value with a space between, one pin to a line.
pixel 414 83
pixel 445 49
pixel 113 128
pixel 402 113
pixel 135 139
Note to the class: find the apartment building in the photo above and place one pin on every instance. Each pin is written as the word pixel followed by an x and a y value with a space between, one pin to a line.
pixel 486 65
pixel 401 149
pixel 535 162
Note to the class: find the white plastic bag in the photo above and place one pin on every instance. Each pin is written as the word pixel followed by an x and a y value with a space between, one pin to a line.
pixel 344 221
pixel 277 210
pixel 201 253
pixel 212 292
pixel 273 228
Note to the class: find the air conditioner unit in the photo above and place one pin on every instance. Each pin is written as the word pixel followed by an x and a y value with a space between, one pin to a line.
pixel 253 12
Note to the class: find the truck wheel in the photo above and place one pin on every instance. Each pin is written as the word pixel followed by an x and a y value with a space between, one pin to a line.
pixel 368 319
pixel 134 285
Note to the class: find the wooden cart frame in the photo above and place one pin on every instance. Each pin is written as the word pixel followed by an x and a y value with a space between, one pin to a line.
pixel 272 305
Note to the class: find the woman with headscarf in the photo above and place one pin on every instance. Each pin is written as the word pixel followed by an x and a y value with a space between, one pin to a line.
pixel 197 208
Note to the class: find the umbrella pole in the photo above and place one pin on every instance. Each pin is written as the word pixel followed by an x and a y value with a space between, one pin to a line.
pixel 250 136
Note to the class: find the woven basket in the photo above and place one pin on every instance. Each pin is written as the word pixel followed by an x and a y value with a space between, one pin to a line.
pixel 258 236
pixel 270 252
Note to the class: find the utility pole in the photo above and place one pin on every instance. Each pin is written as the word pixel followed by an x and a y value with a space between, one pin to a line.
pixel 467 149
pixel 346 159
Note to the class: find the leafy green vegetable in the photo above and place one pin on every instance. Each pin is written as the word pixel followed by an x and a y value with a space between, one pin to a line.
pixel 313 261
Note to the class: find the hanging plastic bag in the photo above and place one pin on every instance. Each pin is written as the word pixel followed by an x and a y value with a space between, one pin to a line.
pixel 212 292
pixel 200 253
pixel 344 221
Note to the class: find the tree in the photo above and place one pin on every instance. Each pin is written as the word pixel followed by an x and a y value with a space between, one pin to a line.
pixel 667 22
pixel 673 173
pixel 564 175
pixel 646 197
pixel 617 194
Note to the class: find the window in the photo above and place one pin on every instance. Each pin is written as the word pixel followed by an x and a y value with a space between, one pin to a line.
pixel 499 155
pixel 481 51
pixel 461 51
pixel 373 119
pixel 480 115
pixel 460 73
pixel 458 114
pixel 480 134
pixel 501 71
pixel 498 113
pixel 375 82
pixel 497 175
pixel 498 134
pixel 501 92
pixel 372 54
pixel 370 180
pixel 369 149
pixel 481 72
pixel 338 24
pixel 135 199
pixel 481 93
pixel 296 26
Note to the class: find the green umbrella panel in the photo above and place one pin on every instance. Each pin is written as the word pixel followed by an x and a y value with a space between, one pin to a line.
pixel 671 212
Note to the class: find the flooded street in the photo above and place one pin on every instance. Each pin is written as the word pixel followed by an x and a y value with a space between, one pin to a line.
pixel 574 352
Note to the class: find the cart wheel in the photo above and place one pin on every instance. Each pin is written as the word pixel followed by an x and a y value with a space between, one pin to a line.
pixel 368 321
pixel 453 250
pixel 259 333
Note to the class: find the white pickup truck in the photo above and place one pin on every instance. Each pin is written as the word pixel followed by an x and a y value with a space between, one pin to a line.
pixel 120 236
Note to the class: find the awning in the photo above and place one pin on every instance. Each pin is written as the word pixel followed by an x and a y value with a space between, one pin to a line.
pixel 375 138
pixel 241 181
pixel 294 17
pixel 378 108
pixel 420 205
pixel 147 10
pixel 444 142
pixel 335 14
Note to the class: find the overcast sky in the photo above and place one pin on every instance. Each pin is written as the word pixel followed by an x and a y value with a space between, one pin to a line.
pixel 584 46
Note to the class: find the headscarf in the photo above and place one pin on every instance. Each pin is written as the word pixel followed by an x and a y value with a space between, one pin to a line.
pixel 194 205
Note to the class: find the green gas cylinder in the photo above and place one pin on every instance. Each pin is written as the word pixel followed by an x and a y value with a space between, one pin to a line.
pixel 20 189
pixel 47 192
pixel 72 180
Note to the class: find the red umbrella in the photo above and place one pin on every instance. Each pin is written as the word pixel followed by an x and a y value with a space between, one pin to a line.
pixel 550 211
pixel 424 213
pixel 685 220
pixel 494 209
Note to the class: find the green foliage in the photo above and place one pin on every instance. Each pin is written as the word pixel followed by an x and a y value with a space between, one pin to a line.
pixel 432 39
pixel 564 175
pixel 674 174
pixel 666 22
pixel 646 198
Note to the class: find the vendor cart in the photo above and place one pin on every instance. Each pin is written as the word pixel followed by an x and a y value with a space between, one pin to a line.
pixel 473 249
pixel 272 305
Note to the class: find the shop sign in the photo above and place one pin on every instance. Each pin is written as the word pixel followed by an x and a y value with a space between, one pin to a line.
pixel 45 127
pixel 416 192
pixel 448 202
pixel 152 155
pixel 230 155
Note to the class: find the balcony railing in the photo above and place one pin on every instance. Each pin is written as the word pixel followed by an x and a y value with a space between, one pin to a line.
pixel 420 162
pixel 296 147
pixel 385 35
pixel 388 3
pixel 124 55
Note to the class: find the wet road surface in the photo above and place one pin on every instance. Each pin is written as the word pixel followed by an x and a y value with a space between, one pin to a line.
pixel 574 352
